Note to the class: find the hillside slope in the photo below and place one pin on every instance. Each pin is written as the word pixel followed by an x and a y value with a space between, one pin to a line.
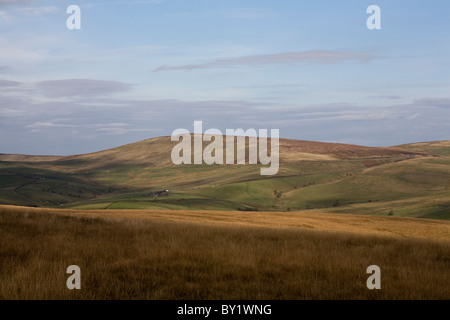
pixel 408 180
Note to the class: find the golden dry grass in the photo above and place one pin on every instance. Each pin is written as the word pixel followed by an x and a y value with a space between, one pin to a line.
pixel 303 220
pixel 219 255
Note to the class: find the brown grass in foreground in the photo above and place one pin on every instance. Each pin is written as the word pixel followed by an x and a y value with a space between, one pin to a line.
pixel 157 259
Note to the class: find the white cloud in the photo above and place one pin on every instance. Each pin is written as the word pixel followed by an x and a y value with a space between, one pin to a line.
pixel 11 113
pixel 119 131
pixel 4 16
pixel 7 83
pixel 433 102
pixel 80 87
pixel 315 56
pixel 20 52
pixel 40 124
pixel 5 3
pixel 120 2
pixel 38 11
pixel 249 14
pixel 113 124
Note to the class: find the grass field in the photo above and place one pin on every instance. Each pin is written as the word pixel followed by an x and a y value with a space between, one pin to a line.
pixel 175 254
pixel 226 232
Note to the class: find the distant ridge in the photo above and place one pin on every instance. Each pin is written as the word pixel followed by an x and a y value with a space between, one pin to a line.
pixel 290 150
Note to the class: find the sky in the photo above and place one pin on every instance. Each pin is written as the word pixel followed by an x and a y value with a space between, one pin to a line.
pixel 139 69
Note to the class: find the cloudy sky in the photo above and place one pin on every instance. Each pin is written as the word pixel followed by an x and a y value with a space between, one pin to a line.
pixel 139 69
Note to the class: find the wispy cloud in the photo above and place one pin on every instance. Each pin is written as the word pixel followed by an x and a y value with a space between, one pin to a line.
pixel 113 124
pixel 38 11
pixel 48 124
pixel 246 14
pixel 4 16
pixel 5 3
pixel 310 57
pixel 121 2
pixel 433 102
pixel 80 88
pixel 119 131
pixel 236 13
pixel 390 97
pixel 19 52
pixel 7 83
pixel 11 112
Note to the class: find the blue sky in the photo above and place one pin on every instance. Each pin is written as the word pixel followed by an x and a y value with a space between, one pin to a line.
pixel 141 69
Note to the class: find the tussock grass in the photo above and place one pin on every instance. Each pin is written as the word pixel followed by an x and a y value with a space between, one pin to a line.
pixel 136 258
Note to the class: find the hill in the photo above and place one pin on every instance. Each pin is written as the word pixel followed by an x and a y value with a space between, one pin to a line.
pixel 406 180
pixel 438 148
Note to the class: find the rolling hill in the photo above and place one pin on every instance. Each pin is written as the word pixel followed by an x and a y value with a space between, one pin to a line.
pixel 407 180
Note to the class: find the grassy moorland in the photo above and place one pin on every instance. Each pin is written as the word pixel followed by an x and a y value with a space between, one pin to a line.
pixel 409 180
pixel 137 254
pixel 225 231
